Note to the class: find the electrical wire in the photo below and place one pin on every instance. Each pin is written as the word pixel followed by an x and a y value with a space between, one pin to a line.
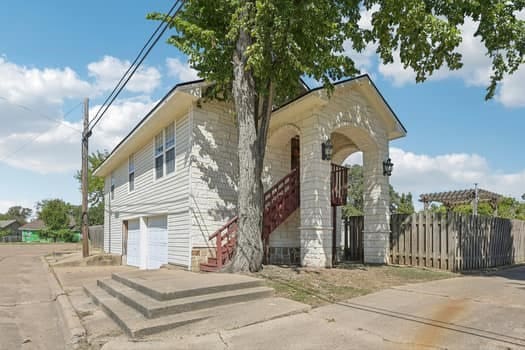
pixel 41 114
pixel 39 135
pixel 163 26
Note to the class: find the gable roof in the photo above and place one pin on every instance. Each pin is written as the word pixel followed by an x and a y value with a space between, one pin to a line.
pixel 35 225
pixel 6 223
pixel 183 89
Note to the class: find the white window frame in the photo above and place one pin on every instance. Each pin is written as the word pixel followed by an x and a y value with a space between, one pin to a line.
pixel 131 172
pixel 164 152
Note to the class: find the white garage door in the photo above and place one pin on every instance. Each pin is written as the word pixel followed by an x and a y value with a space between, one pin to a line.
pixel 133 243
pixel 157 242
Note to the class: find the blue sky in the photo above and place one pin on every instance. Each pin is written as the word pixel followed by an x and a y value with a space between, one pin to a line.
pixel 55 52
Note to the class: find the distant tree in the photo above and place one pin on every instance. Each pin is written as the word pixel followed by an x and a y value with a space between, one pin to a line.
pixel 438 208
pixel 95 184
pixel 400 204
pixel 523 196
pixel 17 213
pixel 405 205
pixel 55 213
pixel 510 208
pixel 354 206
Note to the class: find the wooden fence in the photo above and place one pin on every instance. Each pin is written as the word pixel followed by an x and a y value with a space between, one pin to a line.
pixel 455 242
pixel 96 236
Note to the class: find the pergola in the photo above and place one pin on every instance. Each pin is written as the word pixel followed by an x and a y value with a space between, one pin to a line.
pixel 453 198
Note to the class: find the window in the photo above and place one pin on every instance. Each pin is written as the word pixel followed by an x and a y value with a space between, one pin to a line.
pixel 159 156
pixel 112 188
pixel 165 152
pixel 131 172
pixel 170 148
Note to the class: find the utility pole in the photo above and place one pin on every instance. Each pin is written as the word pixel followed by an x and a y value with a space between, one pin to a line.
pixel 476 199
pixel 85 149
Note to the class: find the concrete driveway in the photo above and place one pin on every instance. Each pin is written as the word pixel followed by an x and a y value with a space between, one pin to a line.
pixel 460 313
pixel 28 313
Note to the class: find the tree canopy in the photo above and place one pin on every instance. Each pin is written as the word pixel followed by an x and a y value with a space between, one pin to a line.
pixel 55 213
pixel 17 213
pixel 95 189
pixel 399 203
pixel 95 184
pixel 256 51
pixel 290 39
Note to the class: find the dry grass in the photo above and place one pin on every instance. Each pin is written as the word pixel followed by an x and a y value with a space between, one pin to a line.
pixel 322 286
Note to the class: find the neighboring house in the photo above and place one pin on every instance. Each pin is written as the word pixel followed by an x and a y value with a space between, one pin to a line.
pixel 32 232
pixel 172 182
pixel 11 227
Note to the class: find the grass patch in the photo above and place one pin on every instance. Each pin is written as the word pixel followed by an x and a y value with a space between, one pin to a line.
pixel 322 286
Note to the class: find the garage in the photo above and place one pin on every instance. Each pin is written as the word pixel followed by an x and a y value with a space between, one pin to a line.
pixel 133 249
pixel 157 242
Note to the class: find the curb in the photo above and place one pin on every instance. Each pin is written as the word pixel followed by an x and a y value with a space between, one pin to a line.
pixel 74 332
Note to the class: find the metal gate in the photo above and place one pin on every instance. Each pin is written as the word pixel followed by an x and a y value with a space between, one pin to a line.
pixel 354 226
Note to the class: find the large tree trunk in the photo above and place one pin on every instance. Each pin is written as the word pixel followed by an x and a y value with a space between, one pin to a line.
pixel 249 251
pixel 253 119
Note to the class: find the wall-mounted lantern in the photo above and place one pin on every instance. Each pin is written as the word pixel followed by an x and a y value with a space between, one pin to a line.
pixel 326 149
pixel 387 167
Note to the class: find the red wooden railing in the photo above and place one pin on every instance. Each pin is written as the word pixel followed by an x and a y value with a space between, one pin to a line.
pixel 225 239
pixel 280 201
pixel 339 185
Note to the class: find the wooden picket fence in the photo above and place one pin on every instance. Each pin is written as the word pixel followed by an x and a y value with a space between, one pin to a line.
pixel 456 242
pixel 96 236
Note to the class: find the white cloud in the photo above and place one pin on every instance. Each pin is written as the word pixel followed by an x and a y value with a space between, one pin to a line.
pixel 476 70
pixel 512 89
pixel 363 60
pixel 182 71
pixel 30 140
pixel 108 71
pixel 118 121
pixel 420 173
pixel 5 204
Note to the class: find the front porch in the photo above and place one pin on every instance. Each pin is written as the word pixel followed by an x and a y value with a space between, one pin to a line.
pixel 302 218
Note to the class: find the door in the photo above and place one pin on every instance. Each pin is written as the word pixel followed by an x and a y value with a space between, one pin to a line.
pixel 157 242
pixel 133 246
pixel 295 153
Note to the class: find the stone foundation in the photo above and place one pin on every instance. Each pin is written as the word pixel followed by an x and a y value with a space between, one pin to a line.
pixel 199 256
pixel 285 255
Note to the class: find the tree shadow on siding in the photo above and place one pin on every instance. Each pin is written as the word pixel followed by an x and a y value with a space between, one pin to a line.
pixel 219 172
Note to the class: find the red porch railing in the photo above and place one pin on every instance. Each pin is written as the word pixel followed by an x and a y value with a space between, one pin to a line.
pixel 225 239
pixel 280 201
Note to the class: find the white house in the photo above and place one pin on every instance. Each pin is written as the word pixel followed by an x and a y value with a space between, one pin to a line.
pixel 171 183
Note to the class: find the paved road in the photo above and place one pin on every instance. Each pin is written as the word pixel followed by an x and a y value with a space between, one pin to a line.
pixel 459 313
pixel 28 313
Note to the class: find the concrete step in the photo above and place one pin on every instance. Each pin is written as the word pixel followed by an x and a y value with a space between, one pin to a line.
pixel 152 308
pixel 167 285
pixel 194 322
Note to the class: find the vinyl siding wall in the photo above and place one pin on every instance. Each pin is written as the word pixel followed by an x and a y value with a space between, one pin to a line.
pixel 165 196
pixel 214 170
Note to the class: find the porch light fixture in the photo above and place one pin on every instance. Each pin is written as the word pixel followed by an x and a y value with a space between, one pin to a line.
pixel 387 167
pixel 326 149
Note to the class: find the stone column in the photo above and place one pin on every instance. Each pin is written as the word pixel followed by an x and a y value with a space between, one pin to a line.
pixel 376 206
pixel 316 222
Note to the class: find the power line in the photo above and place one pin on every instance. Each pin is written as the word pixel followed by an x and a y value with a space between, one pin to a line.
pixel 43 115
pixel 39 135
pixel 135 65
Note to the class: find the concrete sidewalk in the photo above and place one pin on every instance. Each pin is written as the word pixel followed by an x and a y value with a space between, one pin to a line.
pixel 462 313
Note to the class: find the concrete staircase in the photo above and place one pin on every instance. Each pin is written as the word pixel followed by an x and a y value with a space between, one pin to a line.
pixel 148 302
